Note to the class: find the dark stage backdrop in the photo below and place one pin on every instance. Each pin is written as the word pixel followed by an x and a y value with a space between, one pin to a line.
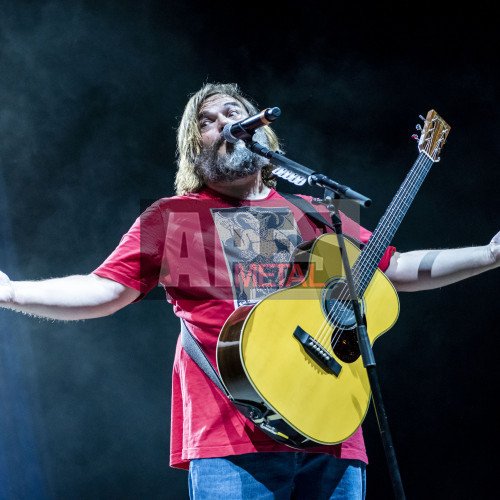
pixel 90 97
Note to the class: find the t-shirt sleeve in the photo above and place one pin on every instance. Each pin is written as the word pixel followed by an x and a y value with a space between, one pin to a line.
pixel 136 261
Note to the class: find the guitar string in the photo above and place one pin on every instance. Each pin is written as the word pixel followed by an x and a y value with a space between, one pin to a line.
pixel 367 262
pixel 362 264
pixel 393 211
pixel 358 267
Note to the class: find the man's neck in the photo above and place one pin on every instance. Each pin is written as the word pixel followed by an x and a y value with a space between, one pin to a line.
pixel 249 188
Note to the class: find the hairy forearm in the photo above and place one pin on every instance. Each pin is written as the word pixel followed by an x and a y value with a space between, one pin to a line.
pixel 427 269
pixel 69 298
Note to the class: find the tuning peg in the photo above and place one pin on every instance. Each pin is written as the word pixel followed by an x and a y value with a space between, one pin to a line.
pixel 418 126
pixel 422 118
pixel 415 136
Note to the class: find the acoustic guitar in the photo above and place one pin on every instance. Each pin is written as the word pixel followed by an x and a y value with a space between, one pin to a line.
pixel 291 363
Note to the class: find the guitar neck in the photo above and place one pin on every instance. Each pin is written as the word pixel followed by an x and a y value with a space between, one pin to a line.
pixel 366 264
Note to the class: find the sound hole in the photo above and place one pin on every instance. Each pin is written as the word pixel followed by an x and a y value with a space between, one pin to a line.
pixel 339 313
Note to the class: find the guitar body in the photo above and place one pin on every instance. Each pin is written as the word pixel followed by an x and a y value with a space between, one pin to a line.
pixel 265 358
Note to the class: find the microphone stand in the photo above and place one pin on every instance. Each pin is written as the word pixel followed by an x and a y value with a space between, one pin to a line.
pixel 367 356
pixel 298 173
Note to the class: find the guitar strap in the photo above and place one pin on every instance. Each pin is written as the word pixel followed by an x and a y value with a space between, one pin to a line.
pixel 307 208
pixel 196 353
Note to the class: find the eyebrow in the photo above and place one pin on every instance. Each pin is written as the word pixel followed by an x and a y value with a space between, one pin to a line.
pixel 202 114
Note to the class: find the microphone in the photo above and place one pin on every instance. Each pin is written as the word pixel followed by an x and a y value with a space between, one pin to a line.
pixel 244 129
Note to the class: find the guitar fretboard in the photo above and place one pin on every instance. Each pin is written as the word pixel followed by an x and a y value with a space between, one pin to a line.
pixel 366 264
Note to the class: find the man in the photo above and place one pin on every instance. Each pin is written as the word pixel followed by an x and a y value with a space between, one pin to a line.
pixel 201 246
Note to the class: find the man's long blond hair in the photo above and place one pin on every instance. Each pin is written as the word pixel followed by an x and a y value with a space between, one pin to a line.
pixel 189 142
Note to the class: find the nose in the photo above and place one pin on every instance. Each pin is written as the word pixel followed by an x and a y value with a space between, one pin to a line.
pixel 223 120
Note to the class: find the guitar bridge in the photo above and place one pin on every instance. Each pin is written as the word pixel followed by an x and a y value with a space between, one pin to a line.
pixel 317 351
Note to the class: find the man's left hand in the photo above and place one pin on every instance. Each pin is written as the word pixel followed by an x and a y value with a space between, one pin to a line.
pixel 495 247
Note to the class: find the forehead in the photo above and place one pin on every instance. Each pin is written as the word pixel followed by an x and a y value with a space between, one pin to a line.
pixel 219 101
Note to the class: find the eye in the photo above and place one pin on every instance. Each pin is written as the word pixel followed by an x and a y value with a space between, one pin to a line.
pixel 234 112
pixel 204 123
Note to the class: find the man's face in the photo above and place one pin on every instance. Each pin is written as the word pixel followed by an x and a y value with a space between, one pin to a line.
pixel 215 113
pixel 220 161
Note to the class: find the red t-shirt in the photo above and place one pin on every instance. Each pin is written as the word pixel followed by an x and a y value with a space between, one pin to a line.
pixel 196 247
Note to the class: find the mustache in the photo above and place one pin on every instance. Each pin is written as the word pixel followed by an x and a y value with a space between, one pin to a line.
pixel 220 141
pixel 259 135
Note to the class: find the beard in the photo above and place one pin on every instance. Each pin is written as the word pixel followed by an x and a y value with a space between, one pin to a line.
pixel 237 163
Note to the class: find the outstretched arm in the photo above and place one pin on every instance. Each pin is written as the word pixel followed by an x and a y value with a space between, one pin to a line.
pixel 426 269
pixel 69 298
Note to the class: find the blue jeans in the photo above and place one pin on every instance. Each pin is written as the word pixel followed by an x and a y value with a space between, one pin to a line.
pixel 277 476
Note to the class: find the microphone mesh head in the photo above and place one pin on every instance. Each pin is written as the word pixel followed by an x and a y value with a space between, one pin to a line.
pixel 226 134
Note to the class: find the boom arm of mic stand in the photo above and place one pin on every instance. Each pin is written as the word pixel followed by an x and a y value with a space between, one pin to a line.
pixel 313 178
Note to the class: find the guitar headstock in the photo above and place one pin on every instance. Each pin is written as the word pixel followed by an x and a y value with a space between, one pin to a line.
pixel 433 135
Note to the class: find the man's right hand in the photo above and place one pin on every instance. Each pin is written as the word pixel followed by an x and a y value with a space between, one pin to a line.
pixel 5 289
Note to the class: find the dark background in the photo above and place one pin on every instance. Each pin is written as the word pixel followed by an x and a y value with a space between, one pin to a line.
pixel 91 93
